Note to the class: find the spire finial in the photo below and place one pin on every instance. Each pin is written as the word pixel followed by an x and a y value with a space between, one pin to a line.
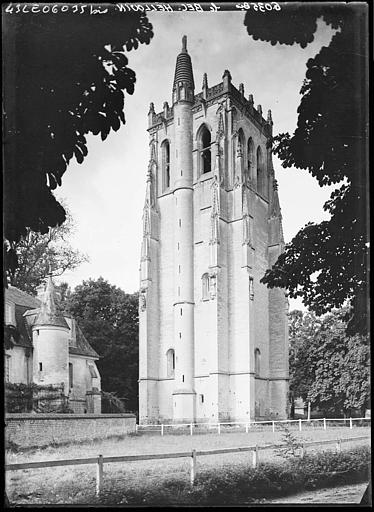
pixel 184 44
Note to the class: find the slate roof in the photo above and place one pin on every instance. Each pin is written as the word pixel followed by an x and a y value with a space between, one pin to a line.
pixel 82 348
pixel 21 298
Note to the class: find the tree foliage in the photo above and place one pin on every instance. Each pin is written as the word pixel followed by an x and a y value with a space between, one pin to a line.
pixel 38 254
pixel 326 264
pixel 327 367
pixel 64 79
pixel 108 318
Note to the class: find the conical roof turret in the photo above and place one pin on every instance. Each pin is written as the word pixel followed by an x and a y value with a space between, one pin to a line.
pixel 48 313
pixel 183 76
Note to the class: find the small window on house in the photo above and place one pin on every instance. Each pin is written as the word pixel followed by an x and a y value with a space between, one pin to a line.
pixel 170 363
pixel 257 362
pixel 205 286
pixel 40 367
pixel 201 399
pixel 70 375
pixel 204 144
pixel 165 153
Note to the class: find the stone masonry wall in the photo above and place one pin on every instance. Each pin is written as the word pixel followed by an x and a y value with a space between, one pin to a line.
pixel 36 430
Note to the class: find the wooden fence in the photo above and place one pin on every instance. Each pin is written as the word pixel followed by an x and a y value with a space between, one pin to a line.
pixel 248 425
pixel 100 460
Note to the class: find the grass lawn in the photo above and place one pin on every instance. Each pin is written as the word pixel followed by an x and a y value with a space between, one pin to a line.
pixel 76 484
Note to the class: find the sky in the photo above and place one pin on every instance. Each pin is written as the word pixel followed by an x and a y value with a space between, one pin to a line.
pixel 106 193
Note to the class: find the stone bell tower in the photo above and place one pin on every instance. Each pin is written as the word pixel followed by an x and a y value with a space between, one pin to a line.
pixel 213 342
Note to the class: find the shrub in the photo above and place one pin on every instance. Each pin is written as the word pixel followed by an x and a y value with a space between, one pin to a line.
pixel 242 485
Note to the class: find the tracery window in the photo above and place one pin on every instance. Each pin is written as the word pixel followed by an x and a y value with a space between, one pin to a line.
pixel 260 172
pixel 204 142
pixel 249 169
pixel 165 149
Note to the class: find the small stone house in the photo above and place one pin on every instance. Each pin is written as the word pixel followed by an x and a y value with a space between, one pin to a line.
pixel 47 348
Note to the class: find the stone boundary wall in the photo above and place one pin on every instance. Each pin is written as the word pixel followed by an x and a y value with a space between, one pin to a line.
pixel 37 430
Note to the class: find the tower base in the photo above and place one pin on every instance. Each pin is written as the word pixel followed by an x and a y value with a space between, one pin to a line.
pixel 184 406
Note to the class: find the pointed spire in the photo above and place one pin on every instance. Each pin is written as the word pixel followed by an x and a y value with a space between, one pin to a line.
pixel 48 313
pixel 259 109
pixel 151 114
pixel 184 44
pixel 241 89
pixel 205 81
pixel 226 78
pixel 269 119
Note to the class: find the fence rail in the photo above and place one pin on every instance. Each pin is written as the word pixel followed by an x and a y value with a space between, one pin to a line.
pixel 100 460
pixel 249 424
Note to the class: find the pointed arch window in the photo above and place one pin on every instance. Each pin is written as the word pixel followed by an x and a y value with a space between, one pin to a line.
pixel 205 286
pixel 165 149
pixel 249 169
pixel 240 144
pixel 257 362
pixel 205 156
pixel 170 363
pixel 260 172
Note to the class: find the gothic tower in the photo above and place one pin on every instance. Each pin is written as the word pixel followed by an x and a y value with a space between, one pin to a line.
pixel 213 341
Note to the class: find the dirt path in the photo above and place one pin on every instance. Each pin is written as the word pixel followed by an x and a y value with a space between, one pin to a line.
pixel 333 495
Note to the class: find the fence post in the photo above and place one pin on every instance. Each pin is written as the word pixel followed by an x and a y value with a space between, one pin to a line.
pixel 255 457
pixel 99 474
pixel 162 429
pixel 339 445
pixel 246 428
pixel 300 424
pixel 350 423
pixel 273 426
pixel 302 451
pixel 219 428
pixel 193 467
pixel 324 423
pixel 191 429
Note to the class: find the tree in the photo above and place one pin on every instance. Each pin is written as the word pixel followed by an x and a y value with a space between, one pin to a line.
pixel 64 79
pixel 326 264
pixel 108 318
pixel 327 367
pixel 39 254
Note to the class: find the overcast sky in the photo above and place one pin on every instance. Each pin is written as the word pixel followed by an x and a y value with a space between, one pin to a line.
pixel 106 193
